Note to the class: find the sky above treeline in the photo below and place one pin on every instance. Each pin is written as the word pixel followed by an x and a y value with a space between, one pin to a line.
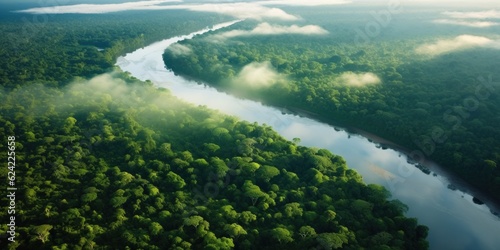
pixel 155 4
pixel 239 9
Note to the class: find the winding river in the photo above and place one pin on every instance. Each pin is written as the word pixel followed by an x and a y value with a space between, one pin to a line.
pixel 455 221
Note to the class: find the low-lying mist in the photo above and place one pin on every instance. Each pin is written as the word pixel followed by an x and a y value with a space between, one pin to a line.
pixel 358 79
pixel 101 93
pixel 257 75
pixel 458 43
pixel 270 29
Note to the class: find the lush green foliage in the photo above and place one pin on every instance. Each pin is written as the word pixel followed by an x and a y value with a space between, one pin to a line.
pixel 56 48
pixel 111 164
pixel 445 107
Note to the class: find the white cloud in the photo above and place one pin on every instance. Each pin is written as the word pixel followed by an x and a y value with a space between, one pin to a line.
pixel 95 8
pixel 240 10
pixel 443 3
pixel 493 14
pixel 257 75
pixel 179 49
pixel 358 80
pixel 477 19
pixel 268 29
pixel 475 24
pixel 303 2
pixel 458 43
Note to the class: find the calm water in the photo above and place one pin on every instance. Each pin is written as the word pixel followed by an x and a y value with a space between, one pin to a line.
pixel 455 222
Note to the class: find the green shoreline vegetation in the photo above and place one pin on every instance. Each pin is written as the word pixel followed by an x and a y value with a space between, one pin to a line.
pixel 443 108
pixel 105 161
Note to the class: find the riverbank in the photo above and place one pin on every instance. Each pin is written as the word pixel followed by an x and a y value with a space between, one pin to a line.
pixel 426 164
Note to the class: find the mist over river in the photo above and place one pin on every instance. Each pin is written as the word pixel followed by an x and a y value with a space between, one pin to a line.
pixel 454 220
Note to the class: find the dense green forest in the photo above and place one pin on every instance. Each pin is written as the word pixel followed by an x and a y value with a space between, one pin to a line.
pixel 116 163
pixel 110 162
pixel 57 48
pixel 444 108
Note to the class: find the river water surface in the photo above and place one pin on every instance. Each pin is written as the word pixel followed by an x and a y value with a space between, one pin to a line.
pixel 455 221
